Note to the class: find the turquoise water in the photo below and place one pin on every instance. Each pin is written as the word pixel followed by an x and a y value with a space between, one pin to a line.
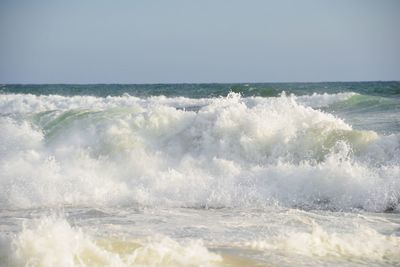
pixel 301 174
pixel 376 105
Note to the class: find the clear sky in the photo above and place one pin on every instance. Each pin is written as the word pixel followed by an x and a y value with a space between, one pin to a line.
pixel 150 41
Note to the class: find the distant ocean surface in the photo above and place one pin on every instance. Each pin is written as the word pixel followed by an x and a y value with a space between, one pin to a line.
pixel 272 174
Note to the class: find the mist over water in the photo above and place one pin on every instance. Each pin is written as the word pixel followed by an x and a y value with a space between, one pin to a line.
pixel 309 172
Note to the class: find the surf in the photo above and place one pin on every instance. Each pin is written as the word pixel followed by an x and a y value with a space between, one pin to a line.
pixel 285 150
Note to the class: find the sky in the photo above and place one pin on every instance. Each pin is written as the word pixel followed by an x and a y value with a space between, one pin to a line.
pixel 184 41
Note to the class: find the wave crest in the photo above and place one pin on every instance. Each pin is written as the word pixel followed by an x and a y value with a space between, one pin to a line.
pixel 232 151
pixel 52 241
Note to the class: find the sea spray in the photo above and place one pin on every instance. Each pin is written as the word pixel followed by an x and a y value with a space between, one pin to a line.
pixel 52 241
pixel 151 153
pixel 200 176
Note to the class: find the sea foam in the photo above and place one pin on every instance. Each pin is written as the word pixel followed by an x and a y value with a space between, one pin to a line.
pixel 52 241
pixel 225 152
pixel 365 244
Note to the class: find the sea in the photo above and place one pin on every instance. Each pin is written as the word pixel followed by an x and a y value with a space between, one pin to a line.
pixel 256 174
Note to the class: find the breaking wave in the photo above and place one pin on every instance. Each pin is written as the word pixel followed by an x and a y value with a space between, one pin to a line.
pixel 365 244
pixel 52 241
pixel 211 152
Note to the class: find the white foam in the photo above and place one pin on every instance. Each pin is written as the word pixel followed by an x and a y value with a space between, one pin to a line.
pixel 324 100
pixel 51 241
pixel 28 103
pixel 231 152
pixel 363 244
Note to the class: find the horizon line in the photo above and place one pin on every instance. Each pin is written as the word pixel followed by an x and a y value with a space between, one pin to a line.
pixel 176 83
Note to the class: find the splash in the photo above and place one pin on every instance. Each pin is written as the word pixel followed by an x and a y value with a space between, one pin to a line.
pixel 227 152
pixel 363 245
pixel 52 241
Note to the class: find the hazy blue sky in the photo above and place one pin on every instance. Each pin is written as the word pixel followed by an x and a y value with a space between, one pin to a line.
pixel 148 41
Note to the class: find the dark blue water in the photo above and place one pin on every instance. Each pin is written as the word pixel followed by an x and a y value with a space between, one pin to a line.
pixel 387 89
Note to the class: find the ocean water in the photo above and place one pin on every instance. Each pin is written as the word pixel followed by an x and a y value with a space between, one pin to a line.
pixel 302 174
